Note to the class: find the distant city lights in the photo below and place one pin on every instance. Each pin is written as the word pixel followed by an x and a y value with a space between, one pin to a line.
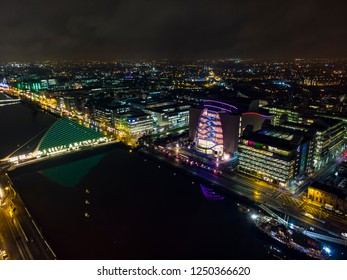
pixel 3 85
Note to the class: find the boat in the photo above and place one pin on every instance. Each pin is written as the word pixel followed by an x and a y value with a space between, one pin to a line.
pixel 275 252
pixel 292 237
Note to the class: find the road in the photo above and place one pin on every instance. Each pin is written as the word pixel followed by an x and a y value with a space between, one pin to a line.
pixel 263 193
pixel 20 235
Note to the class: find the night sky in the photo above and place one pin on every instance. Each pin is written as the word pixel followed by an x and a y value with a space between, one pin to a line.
pixel 136 29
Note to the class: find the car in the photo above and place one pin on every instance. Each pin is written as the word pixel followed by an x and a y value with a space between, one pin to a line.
pixel 344 234
pixel 338 212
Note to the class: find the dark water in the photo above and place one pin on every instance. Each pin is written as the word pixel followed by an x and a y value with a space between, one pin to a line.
pixel 137 210
pixel 19 124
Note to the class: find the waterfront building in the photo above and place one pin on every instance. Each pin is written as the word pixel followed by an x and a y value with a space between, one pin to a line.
pixel 277 155
pixel 36 85
pixel 67 104
pixel 323 195
pixel 134 122
pixel 215 127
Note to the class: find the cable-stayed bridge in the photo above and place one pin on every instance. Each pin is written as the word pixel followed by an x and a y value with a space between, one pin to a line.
pixel 63 137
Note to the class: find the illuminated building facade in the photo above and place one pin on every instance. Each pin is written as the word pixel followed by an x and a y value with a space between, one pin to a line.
pixel 67 103
pixel 171 115
pixel 328 136
pixel 329 133
pixel 320 195
pixel 106 113
pixel 103 115
pixel 330 141
pixel 285 114
pixel 209 135
pixel 136 123
pixel 216 126
pixel 37 85
pixel 178 118
pixel 277 155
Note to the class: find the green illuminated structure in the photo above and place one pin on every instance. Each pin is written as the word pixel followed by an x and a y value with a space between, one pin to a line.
pixel 72 173
pixel 65 135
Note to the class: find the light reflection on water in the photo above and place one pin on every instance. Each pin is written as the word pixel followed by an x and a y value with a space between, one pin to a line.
pixel 70 174
pixel 137 211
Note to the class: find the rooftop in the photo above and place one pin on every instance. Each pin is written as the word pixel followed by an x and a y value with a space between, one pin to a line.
pixel 133 113
pixel 279 137
pixel 332 190
pixel 322 124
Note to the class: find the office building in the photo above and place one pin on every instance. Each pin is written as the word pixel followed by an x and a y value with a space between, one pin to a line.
pixel 277 155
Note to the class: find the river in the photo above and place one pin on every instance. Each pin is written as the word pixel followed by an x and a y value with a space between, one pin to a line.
pixel 136 208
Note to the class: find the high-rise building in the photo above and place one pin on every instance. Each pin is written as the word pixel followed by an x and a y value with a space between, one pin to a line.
pixel 329 132
pixel 277 155
pixel 329 136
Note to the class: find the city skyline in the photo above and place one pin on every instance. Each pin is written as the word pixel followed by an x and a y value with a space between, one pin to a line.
pixel 111 152
pixel 111 30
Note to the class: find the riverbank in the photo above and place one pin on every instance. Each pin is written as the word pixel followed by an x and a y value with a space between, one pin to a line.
pixel 245 196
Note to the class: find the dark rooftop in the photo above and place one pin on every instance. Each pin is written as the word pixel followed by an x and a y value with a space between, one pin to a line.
pixel 279 137
pixel 335 191
pixel 322 124
pixel 134 113
pixel 170 107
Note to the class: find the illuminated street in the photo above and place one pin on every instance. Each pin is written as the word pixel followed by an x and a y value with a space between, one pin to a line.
pixel 20 235
pixel 196 120
pixel 263 193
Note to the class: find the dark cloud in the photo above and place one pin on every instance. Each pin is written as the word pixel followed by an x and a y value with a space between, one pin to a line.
pixel 110 29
